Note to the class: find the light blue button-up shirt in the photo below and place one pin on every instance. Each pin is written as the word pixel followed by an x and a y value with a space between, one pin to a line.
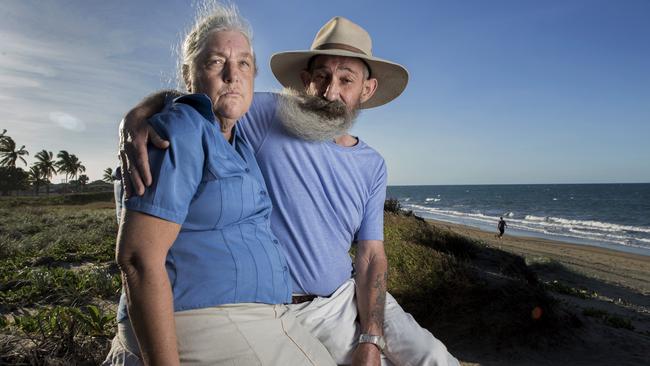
pixel 225 252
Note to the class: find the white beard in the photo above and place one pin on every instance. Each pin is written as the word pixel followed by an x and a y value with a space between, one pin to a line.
pixel 313 118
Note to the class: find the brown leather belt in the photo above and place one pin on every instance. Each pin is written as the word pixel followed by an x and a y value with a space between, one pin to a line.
pixel 298 299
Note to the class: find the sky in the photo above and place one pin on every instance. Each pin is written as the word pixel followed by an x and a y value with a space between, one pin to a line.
pixel 500 92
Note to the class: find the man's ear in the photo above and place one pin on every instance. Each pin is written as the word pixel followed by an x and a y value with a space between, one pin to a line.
pixel 185 69
pixel 306 78
pixel 369 88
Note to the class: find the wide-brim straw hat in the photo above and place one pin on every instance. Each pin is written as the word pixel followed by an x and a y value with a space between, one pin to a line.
pixel 342 37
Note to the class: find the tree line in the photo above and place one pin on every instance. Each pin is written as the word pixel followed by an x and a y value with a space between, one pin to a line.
pixel 13 178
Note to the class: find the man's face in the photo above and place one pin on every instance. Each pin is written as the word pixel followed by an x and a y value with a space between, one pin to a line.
pixel 225 70
pixel 339 78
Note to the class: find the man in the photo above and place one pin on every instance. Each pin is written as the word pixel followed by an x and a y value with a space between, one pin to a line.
pixel 328 189
pixel 501 226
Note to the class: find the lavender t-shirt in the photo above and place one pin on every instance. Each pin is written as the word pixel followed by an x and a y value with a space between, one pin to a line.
pixel 325 196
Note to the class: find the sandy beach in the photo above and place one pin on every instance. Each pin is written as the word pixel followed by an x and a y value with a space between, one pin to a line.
pixel 616 284
pixel 618 268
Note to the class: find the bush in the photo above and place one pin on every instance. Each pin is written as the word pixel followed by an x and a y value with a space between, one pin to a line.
pixel 392 205
pixel 54 200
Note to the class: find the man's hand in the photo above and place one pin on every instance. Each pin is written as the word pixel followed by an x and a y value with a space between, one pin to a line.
pixel 366 354
pixel 135 132
pixel 134 160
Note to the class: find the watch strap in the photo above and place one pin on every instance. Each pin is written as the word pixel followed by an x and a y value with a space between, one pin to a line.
pixel 377 340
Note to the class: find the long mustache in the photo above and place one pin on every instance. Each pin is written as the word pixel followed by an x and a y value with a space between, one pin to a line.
pixel 328 109
pixel 314 118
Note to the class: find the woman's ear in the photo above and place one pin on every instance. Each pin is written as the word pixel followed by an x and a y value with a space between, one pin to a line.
pixel 185 69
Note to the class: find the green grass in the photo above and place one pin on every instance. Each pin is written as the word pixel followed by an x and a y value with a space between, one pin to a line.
pixel 59 285
pixel 466 292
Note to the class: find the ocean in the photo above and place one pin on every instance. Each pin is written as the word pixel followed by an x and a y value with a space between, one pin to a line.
pixel 614 216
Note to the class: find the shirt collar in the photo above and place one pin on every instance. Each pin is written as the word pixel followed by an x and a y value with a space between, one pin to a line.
pixel 201 103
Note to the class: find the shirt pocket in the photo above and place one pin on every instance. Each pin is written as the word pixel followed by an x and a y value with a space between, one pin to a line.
pixel 205 209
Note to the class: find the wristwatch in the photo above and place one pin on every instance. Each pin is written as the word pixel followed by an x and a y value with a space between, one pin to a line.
pixel 374 339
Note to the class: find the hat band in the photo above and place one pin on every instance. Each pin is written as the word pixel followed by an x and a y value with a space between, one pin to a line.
pixel 340 46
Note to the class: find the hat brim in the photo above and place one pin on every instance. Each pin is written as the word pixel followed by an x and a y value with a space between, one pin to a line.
pixel 391 77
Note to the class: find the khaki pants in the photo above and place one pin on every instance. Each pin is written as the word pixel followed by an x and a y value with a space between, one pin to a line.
pixel 234 335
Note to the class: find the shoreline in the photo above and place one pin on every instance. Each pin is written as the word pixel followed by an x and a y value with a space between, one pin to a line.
pixel 555 237
pixel 612 266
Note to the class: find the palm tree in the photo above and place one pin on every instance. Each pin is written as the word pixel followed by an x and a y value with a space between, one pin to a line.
pixel 69 165
pixel 8 151
pixel 63 163
pixel 83 180
pixel 36 178
pixel 46 165
pixel 75 166
pixel 108 175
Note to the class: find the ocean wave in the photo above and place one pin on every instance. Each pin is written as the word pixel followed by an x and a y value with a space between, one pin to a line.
pixel 591 224
pixel 430 199
pixel 589 230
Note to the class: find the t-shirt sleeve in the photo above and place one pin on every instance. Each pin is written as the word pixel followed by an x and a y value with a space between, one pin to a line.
pixel 257 122
pixel 372 225
pixel 177 170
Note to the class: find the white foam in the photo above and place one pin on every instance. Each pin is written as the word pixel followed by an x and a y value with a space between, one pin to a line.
pixel 588 230
pixel 432 199
pixel 586 224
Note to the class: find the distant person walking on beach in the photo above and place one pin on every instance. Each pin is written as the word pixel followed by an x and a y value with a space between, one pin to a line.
pixel 501 226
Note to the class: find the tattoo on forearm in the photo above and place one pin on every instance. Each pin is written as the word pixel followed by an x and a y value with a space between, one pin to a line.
pixel 377 312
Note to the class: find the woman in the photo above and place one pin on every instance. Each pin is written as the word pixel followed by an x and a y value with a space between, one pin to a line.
pixel 204 276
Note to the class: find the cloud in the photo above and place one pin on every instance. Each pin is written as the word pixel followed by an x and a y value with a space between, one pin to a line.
pixel 69 71
pixel 67 121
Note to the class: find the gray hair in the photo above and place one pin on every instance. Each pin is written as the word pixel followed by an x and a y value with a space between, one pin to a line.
pixel 212 16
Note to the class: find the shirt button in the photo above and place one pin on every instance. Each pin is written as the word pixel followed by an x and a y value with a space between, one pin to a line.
pixel 266 216
pixel 276 242
pixel 285 268
pixel 263 193
pixel 247 170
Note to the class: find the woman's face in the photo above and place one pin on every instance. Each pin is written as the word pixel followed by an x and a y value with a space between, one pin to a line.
pixel 225 71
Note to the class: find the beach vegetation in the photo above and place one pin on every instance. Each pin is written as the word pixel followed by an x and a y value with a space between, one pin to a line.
pixel 392 205
pixel 12 179
pixel 60 285
pixel 562 288
pixel 459 286
pixel 108 175
pixel 10 153
pixel 46 164
pixel 609 319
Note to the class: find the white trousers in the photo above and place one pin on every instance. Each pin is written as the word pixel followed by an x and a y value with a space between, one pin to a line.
pixel 245 334
pixel 333 320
